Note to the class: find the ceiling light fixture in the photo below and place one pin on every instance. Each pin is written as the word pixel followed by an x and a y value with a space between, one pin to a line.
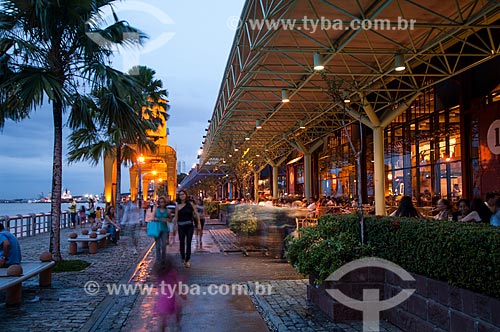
pixel 285 96
pixel 346 98
pixel 318 62
pixel 399 62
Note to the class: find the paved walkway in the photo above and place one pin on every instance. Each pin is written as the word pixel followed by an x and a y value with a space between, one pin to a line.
pixel 67 307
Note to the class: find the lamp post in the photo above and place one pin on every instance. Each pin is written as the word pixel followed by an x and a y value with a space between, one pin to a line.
pixel 140 160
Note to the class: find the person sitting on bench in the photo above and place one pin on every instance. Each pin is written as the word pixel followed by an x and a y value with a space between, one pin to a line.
pixel 10 250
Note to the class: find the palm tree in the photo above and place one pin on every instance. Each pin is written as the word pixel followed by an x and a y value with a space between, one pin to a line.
pixel 117 135
pixel 106 124
pixel 46 55
pixel 153 103
pixel 152 92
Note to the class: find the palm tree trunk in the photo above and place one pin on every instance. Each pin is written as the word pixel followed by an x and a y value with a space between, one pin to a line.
pixel 55 205
pixel 118 182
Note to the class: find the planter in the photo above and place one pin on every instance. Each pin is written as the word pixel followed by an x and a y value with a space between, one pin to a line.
pixel 435 305
pixel 275 240
pixel 246 240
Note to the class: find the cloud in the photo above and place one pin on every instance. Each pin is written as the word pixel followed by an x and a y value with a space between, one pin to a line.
pixel 191 66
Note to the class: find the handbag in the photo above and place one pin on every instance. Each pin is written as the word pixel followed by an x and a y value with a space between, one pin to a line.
pixel 154 229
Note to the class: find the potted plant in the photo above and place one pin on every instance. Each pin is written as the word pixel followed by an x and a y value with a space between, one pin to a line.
pixel 213 209
pixel 243 223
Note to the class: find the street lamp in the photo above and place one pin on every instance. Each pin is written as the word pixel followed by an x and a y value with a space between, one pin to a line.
pixel 140 160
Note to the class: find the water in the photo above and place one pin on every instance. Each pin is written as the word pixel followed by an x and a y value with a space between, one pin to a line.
pixel 12 209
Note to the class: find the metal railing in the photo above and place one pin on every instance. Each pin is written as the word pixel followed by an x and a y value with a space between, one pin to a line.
pixel 32 224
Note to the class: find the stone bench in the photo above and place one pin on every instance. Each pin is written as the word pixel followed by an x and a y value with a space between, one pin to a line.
pixel 87 242
pixel 13 285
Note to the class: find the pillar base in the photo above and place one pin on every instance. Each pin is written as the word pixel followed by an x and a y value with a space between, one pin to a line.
pixel 93 247
pixel 72 248
pixel 14 295
pixel 45 279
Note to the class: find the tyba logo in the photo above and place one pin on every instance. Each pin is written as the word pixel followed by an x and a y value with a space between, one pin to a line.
pixel 371 305
pixel 131 58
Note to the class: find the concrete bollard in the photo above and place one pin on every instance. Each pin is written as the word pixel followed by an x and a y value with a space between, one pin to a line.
pixel 72 248
pixel 45 279
pixel 14 295
pixel 93 247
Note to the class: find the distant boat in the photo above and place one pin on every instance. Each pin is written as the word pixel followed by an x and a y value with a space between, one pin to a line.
pixel 66 196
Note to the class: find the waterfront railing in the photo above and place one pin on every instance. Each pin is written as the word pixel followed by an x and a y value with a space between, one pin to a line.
pixel 32 224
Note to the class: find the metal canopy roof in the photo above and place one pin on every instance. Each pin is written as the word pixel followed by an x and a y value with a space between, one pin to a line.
pixel 449 37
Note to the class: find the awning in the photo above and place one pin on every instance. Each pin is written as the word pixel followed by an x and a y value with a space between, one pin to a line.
pixel 265 63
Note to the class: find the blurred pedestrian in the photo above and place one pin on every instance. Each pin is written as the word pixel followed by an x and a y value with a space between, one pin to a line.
pixel 167 305
pixel 199 230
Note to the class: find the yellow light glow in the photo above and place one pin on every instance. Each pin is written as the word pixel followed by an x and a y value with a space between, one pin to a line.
pixel 154 172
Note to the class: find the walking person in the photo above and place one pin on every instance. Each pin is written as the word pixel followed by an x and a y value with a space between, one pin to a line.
pixel 72 212
pixel 185 213
pixel 151 204
pixel 171 229
pixel 145 206
pixel 199 230
pixel 130 222
pixel 162 214
pixel 167 303
pixel 91 212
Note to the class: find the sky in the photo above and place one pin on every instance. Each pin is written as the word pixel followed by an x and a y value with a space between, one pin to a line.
pixel 188 47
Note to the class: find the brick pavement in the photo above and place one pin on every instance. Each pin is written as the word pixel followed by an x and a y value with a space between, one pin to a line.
pixel 66 307
pixel 287 309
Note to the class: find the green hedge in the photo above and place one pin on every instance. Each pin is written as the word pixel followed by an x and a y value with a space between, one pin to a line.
pixel 464 255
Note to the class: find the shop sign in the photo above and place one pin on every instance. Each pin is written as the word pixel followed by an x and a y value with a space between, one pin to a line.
pixel 493 137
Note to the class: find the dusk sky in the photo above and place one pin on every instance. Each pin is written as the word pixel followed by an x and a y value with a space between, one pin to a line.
pixel 192 40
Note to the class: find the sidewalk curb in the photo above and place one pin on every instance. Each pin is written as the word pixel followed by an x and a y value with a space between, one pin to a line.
pixel 108 302
pixel 267 311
